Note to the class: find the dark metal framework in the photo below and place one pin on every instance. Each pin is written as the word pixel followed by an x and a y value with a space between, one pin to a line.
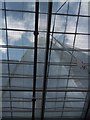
pixel 72 64
pixel 35 60
pixel 8 59
pixel 46 60
pixel 69 72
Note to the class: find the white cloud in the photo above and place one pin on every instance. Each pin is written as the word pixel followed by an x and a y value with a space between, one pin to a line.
pixel 31 6
pixel 14 36
pixel 3 50
pixel 84 8
pixel 15 24
pixel 28 22
pixel 30 37
pixel 81 41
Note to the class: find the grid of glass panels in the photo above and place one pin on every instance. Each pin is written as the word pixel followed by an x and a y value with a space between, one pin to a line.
pixel 67 65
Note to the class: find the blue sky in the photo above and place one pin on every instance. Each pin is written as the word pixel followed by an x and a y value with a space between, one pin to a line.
pixel 27 21
pixel 20 20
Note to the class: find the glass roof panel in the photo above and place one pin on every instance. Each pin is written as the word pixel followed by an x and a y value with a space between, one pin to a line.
pixel 44 59
pixel 21 6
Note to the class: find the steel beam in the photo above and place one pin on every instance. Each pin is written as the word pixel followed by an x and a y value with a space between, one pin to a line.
pixel 55 32
pixel 60 14
pixel 35 60
pixel 8 56
pixel 46 60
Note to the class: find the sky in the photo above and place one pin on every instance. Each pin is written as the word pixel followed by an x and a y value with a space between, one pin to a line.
pixel 26 21
pixel 19 20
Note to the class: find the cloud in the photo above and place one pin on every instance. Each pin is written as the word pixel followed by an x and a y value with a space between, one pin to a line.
pixel 81 41
pixel 3 50
pixel 25 23
pixel 84 8
pixel 30 37
pixel 42 22
pixel 15 24
pixel 2 38
pixel 28 22
pixel 31 6
pixel 14 36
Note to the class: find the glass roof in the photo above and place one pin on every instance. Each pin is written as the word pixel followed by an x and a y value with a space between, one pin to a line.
pixel 44 49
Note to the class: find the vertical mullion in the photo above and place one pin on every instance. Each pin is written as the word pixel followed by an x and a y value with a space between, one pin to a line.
pixel 35 59
pixel 8 57
pixel 53 38
pixel 63 43
pixel 72 56
pixel 46 60
pixel 53 32
pixel 87 110
pixel 86 107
